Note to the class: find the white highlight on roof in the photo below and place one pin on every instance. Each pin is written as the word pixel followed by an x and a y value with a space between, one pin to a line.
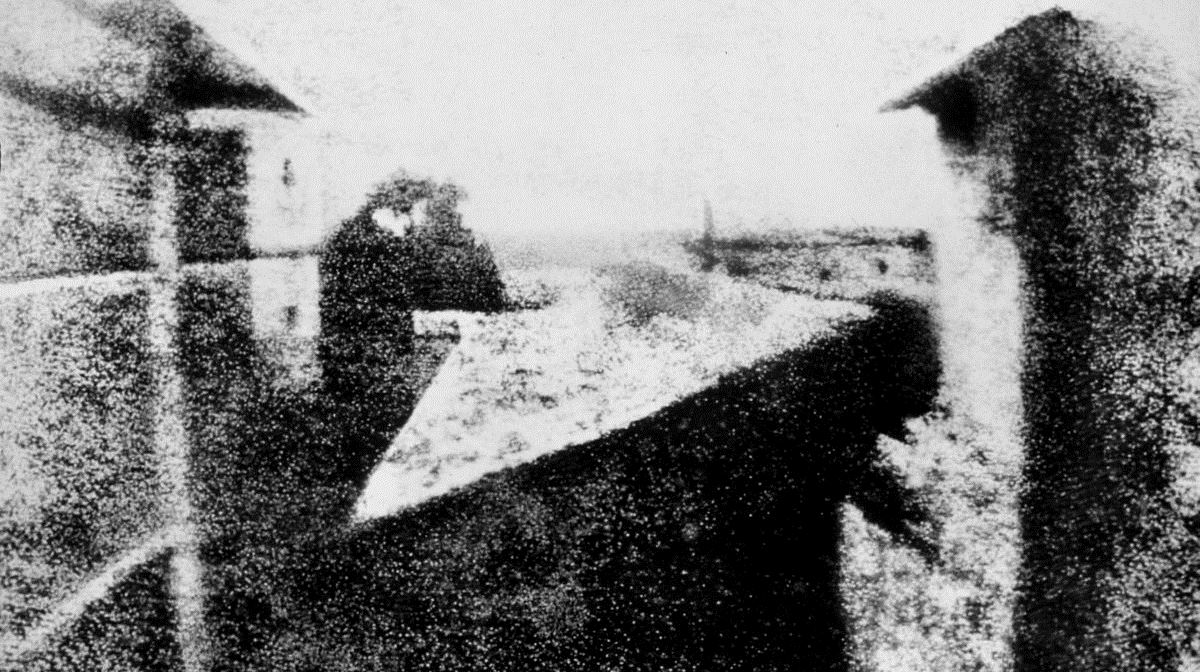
pixel 525 384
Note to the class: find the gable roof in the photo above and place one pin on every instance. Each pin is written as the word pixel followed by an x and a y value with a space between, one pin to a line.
pixel 1053 24
pixel 118 63
pixel 198 71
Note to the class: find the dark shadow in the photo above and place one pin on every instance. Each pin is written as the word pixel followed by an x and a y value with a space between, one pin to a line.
pixel 191 71
pixel 443 266
pixel 453 275
pixel 704 537
pixel 76 108
pixel 366 330
pixel 194 75
pixel 1077 133
pixel 1109 572
pixel 954 103
pixel 274 469
pixel 211 217
pixel 131 629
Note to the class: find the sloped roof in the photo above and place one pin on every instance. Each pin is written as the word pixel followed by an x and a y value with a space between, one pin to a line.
pixel 524 384
pixel 1048 25
pixel 952 94
pixel 197 71
pixel 117 63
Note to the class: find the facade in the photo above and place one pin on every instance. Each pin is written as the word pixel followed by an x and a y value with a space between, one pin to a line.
pixel 1067 306
pixel 154 187
pixel 162 201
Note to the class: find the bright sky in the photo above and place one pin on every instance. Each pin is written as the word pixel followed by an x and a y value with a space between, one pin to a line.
pixel 625 114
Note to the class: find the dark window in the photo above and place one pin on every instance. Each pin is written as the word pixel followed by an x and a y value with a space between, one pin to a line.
pixel 290 314
pixel 289 177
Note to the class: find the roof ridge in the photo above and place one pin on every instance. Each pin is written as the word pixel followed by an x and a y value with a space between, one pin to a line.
pixel 156 23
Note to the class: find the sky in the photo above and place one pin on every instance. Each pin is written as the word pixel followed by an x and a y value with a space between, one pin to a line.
pixel 591 116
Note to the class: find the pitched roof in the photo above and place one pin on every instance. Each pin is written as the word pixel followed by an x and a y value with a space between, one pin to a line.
pixel 197 70
pixel 129 58
pixel 529 383
pixel 1048 25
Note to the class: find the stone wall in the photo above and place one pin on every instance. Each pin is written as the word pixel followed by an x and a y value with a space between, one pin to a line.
pixel 80 464
pixel 965 460
pixel 76 196
pixel 1084 146
pixel 106 227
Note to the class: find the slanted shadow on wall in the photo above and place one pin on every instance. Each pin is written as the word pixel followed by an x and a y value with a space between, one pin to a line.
pixel 703 537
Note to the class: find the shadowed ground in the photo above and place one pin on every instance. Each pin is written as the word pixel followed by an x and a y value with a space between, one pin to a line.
pixel 703 537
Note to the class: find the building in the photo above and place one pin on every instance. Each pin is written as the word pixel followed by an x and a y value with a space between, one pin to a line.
pixel 1068 302
pixel 159 194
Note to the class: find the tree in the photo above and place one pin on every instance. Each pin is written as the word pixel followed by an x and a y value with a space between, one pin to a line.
pixel 446 269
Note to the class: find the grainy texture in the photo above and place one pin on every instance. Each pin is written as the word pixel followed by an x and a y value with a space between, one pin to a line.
pixel 130 629
pixel 55 223
pixel 616 345
pixel 80 472
pixel 1089 151
pixel 701 537
pixel 203 362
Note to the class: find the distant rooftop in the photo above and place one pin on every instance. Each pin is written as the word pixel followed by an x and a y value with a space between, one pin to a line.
pixel 616 346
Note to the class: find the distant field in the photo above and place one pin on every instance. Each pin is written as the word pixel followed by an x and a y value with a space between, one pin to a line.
pixel 831 263
pixel 834 264
pixel 587 249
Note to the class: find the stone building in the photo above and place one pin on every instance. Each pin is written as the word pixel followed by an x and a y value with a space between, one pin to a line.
pixel 160 196
pixel 1067 301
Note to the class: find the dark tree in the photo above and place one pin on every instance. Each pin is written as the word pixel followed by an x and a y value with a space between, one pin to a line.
pixel 447 269
pixel 366 311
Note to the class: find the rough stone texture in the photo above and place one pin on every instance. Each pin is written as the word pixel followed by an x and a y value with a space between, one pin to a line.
pixel 1087 146
pixel 89 126
pixel 79 471
pixel 274 461
pixel 658 545
pixel 75 198
pixel 965 462
pixel 131 629
pixel 904 613
pixel 701 537
pixel 106 189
